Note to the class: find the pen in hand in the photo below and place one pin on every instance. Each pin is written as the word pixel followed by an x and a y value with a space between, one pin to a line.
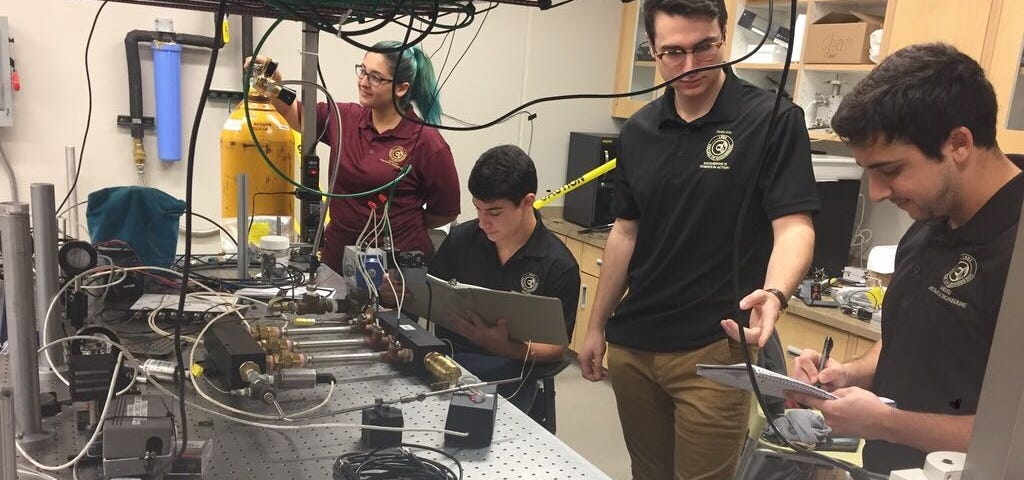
pixel 825 351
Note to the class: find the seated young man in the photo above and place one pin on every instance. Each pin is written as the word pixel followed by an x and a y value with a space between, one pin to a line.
pixel 506 248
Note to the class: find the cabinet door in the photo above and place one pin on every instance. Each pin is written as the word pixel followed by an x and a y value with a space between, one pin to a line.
pixel 635 68
pixel 859 346
pixel 799 332
pixel 1004 63
pixel 590 260
pixel 962 23
pixel 575 248
pixel 588 289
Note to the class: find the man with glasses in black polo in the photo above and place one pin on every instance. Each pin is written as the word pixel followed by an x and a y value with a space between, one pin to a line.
pixel 685 161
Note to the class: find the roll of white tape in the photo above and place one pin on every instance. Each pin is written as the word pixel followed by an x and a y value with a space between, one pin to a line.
pixel 944 465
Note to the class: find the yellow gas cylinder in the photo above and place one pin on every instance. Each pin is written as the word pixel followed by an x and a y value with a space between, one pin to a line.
pixel 238 154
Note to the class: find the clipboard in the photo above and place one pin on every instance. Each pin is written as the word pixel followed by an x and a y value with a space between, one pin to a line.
pixel 530 317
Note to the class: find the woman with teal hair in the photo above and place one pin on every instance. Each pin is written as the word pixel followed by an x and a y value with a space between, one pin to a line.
pixel 377 141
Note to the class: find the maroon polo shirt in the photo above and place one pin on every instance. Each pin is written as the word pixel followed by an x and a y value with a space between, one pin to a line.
pixel 370 159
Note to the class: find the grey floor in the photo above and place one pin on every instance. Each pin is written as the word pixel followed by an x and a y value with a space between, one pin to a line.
pixel 589 423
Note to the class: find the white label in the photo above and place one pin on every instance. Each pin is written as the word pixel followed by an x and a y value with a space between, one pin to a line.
pixel 139 409
pixel 407 327
pixel 233 124
pixel 159 366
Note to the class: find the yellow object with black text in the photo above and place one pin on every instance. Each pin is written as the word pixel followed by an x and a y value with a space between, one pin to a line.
pixel 577 183
pixel 238 154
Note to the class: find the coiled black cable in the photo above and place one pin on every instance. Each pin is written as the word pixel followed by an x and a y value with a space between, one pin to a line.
pixel 389 463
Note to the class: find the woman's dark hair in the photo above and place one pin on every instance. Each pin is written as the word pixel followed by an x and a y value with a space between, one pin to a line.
pixel 415 67
pixel 503 173
pixel 918 95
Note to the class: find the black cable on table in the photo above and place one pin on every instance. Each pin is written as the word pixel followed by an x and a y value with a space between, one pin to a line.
pixel 390 463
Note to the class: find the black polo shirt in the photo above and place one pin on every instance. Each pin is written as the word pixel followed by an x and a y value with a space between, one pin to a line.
pixel 939 314
pixel 543 266
pixel 684 182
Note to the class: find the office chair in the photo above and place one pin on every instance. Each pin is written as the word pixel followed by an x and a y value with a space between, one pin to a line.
pixel 543 408
pixel 761 460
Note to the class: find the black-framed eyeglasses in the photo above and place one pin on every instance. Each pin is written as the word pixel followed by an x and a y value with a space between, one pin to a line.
pixel 376 79
pixel 704 52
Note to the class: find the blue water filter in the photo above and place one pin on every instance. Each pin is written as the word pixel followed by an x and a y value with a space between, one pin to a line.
pixel 167 80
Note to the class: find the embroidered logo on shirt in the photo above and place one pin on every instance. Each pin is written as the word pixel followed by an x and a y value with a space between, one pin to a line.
pixel 529 282
pixel 397 156
pixel 718 149
pixel 961 274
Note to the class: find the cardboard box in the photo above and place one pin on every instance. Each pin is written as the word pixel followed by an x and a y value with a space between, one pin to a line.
pixel 840 38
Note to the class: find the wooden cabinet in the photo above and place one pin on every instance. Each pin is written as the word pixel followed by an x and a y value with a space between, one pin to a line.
pixel 590 260
pixel 962 23
pixel 588 289
pixel 858 347
pixel 635 70
pixel 1004 64
pixel 588 256
pixel 967 24
pixel 575 247
pixel 799 332
pixel 807 327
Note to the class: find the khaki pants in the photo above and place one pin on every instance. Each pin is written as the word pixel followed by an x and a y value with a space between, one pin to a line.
pixel 678 425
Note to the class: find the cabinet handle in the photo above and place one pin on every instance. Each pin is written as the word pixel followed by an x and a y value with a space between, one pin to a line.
pixel 583 296
pixel 599 262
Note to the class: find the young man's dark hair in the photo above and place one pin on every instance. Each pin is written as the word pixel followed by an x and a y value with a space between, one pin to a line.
pixel 685 8
pixel 917 96
pixel 504 172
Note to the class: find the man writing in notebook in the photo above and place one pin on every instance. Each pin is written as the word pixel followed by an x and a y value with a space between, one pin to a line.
pixel 506 248
pixel 923 125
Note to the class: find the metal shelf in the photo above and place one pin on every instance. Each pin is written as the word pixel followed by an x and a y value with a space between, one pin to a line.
pixel 839 67
pixel 333 9
pixel 765 66
pixel 823 135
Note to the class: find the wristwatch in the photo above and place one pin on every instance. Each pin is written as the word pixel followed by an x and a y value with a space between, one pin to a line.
pixel 783 299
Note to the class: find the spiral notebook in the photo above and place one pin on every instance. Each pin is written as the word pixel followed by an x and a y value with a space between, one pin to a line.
pixel 771 383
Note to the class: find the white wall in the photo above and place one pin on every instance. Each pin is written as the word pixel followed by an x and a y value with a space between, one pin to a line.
pixel 520 54
pixel 886 222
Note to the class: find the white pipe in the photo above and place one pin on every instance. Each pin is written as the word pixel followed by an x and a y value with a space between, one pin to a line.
pixel 72 170
pixel 10 175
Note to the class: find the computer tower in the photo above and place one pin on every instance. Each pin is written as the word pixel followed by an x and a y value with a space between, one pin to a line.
pixel 591 204
pixel 834 224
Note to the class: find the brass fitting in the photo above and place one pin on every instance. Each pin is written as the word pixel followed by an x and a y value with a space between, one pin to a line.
pixel 139 155
pixel 267 333
pixel 289 359
pixel 404 355
pixel 248 370
pixel 368 315
pixel 276 345
pixel 304 322
pixel 375 334
pixel 398 355
pixel 282 305
pixel 442 368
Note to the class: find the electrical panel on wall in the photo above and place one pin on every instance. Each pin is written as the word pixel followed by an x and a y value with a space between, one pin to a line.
pixel 6 77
